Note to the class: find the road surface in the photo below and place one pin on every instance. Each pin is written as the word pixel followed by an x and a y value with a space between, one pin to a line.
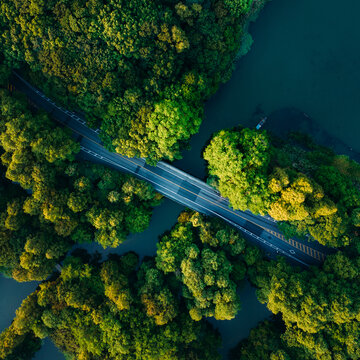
pixel 180 186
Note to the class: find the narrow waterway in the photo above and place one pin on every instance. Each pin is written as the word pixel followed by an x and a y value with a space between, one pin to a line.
pixel 305 59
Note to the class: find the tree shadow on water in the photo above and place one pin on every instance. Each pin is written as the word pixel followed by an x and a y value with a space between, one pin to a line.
pixel 290 119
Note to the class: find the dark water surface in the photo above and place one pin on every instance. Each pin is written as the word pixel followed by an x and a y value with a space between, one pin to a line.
pixel 12 294
pixel 306 55
pixel 305 59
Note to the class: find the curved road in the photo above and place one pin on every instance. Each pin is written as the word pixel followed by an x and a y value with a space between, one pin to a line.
pixel 180 186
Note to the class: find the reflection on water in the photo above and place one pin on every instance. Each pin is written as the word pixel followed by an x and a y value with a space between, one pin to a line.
pixel 251 313
pixel 144 244
pixel 49 351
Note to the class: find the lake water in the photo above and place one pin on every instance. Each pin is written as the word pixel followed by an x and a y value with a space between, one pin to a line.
pixel 306 55
pixel 305 59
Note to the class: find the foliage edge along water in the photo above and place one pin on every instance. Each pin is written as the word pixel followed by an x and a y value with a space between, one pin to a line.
pixel 123 309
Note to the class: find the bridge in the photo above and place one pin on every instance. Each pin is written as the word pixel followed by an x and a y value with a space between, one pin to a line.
pixel 179 186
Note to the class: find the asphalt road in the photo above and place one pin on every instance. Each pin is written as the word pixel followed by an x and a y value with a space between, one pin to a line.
pixel 180 186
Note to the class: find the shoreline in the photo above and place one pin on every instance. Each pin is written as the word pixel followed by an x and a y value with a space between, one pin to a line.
pixel 289 119
pixel 247 40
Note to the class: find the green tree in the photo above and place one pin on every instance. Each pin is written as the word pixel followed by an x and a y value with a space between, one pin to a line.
pixel 14 346
pixel 265 342
pixel 169 123
pixel 260 173
pixel 96 310
pixel 320 306
pixel 68 202
pixel 210 260
pixel 156 296
pixel 153 68
pixel 239 162
pixel 238 7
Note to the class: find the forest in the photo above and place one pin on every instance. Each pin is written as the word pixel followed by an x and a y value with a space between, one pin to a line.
pixel 317 311
pixel 96 310
pixel 211 260
pixel 122 309
pixel 54 199
pixel 307 187
pixel 93 308
pixel 141 70
pixel 314 193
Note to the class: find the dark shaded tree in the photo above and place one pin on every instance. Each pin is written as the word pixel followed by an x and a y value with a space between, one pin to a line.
pixel 65 201
pixel 209 259
pixel 95 310
pixel 297 182
pixel 140 69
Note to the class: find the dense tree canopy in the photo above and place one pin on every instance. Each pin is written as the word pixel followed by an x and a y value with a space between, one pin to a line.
pixel 315 192
pixel 140 69
pixel 210 259
pixel 96 311
pixel 306 185
pixel 66 201
pixel 264 342
pixel 320 309
pixel 238 161
pixel 14 346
